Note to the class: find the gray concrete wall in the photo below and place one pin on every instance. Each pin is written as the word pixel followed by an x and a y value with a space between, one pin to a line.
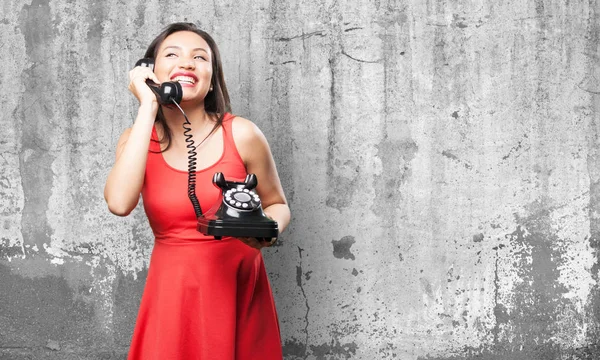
pixel 441 160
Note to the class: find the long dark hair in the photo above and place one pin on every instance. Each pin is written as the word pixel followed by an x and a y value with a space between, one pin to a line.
pixel 216 101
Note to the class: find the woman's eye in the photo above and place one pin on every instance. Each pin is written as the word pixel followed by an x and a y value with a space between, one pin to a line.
pixel 170 55
pixel 198 57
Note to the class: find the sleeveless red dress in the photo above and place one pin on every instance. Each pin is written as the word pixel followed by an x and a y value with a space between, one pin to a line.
pixel 204 299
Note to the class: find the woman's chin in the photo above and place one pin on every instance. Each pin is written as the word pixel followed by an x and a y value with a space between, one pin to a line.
pixel 190 100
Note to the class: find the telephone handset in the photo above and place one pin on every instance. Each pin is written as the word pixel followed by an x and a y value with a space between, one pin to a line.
pixel 240 213
pixel 166 92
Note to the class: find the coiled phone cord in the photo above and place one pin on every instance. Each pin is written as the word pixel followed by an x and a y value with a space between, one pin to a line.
pixel 191 162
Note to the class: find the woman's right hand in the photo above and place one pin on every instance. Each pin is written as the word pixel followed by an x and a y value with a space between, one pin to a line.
pixel 138 86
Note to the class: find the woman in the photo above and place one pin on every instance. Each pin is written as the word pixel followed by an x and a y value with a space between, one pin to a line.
pixel 204 298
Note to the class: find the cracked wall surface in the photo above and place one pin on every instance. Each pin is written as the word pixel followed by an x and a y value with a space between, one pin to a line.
pixel 440 159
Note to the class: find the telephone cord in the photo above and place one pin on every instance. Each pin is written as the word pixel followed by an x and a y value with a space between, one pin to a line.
pixel 191 162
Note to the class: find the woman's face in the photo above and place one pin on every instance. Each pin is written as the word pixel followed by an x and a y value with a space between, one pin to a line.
pixel 185 57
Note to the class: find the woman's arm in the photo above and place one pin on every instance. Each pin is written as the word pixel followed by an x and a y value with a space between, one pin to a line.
pixel 256 154
pixel 125 180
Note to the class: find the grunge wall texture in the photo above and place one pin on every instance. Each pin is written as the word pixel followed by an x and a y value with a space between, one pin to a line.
pixel 441 159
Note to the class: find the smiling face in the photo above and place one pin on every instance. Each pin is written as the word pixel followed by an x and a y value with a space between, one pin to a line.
pixel 184 56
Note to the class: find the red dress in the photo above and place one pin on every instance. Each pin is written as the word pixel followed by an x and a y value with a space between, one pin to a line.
pixel 204 299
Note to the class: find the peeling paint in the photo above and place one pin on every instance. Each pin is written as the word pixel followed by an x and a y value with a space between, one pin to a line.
pixel 293 347
pixel 340 351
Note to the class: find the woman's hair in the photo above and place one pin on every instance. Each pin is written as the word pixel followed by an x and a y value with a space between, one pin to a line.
pixel 216 101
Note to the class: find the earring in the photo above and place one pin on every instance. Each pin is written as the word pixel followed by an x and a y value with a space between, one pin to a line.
pixel 211 89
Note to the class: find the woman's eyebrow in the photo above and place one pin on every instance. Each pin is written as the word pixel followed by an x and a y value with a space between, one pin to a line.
pixel 179 48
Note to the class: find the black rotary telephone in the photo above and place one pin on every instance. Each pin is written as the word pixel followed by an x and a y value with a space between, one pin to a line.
pixel 240 213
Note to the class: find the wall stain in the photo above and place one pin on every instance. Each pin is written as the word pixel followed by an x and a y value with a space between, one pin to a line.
pixel 539 352
pixel 538 299
pixel 516 149
pixel 342 172
pixel 97 14
pixel 451 156
pixel 299 282
pixel 40 135
pixel 140 19
pixel 33 308
pixel 35 159
pixel 294 348
pixel 340 351
pixel 427 288
pixel 302 36
pixel 70 60
pixel 459 21
pixel 341 248
pixel 10 252
pixel 127 296
pixel 396 149
pixel 500 311
pixel 278 129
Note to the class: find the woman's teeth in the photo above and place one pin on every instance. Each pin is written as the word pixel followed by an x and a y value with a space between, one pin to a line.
pixel 185 79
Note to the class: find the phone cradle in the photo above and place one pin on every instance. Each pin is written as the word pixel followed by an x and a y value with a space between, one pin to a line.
pixel 240 213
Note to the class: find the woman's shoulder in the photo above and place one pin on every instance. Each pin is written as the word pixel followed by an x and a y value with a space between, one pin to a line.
pixel 244 129
pixel 247 136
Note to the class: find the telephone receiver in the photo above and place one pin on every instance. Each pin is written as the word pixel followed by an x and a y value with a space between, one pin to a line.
pixel 240 213
pixel 166 92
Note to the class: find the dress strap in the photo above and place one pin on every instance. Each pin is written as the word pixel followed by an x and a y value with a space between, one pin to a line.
pixel 229 147
pixel 154 142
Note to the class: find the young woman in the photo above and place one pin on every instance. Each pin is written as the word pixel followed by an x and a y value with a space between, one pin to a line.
pixel 204 298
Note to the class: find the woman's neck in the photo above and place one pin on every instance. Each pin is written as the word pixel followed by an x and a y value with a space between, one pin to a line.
pixel 200 121
pixel 197 116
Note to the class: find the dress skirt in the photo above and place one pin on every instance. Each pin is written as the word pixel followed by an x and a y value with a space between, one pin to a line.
pixel 206 300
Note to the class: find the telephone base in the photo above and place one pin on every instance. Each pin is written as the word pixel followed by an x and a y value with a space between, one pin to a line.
pixel 236 228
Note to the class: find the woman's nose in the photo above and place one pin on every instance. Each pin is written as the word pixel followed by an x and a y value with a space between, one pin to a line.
pixel 187 63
